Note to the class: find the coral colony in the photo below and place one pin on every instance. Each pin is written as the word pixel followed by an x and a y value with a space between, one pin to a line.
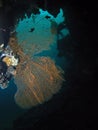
pixel 37 77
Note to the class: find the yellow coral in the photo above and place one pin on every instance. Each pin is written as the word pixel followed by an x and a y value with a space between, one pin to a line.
pixel 10 60
pixel 7 60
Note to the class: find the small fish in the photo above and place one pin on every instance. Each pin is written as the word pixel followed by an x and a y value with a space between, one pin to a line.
pixel 32 29
pixel 47 17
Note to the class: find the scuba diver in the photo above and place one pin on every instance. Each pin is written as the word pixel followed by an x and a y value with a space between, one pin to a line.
pixel 8 60
pixel 8 63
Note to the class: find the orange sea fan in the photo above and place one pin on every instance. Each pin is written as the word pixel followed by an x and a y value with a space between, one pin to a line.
pixel 37 79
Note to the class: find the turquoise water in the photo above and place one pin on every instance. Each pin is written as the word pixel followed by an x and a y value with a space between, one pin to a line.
pixel 9 111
